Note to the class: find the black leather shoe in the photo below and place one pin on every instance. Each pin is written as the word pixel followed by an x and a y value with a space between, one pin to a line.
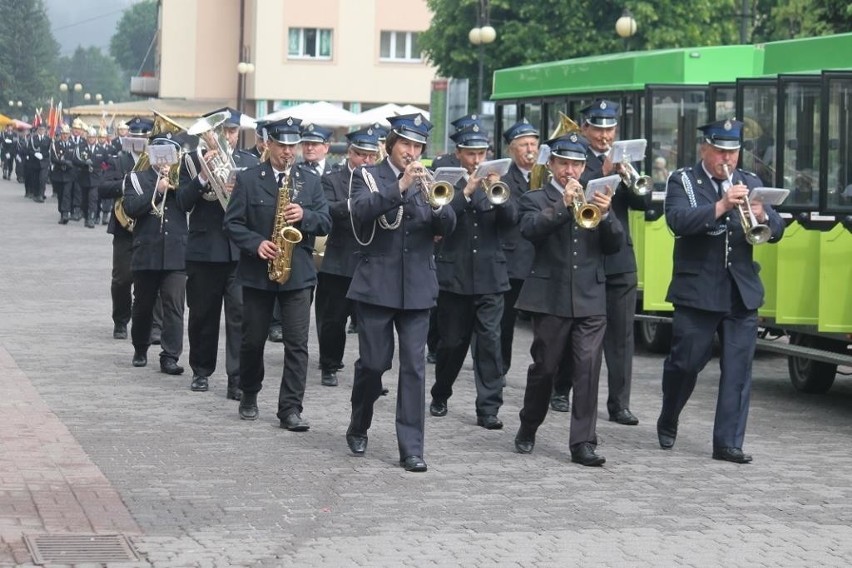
pixel 119 331
pixel 438 408
pixel 357 443
pixel 105 219
pixel 248 406
pixel 90 223
pixel 489 422
pixel 199 384
pixel 140 357
pixel 64 218
pixel 295 423
pixel 413 463
pixel 624 416
pixel 170 367
pixel 431 357
pixel 667 435
pixel 560 403
pixel 735 455
pixel 329 378
pixel 276 335
pixel 524 441
pixel 234 392
pixel 76 215
pixel 584 454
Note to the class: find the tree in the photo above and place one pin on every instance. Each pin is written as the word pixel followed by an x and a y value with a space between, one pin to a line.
pixel 28 53
pixel 133 38
pixel 98 73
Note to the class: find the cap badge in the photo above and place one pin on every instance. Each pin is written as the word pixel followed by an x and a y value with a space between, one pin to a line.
pixel 289 122
pixel 728 125
pixel 573 138
pixel 310 128
pixel 474 117
pixel 169 135
pixel 417 121
pixel 525 121
pixel 369 132
pixel 475 128
pixel 603 105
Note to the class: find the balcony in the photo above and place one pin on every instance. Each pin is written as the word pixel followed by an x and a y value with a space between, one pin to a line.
pixel 145 86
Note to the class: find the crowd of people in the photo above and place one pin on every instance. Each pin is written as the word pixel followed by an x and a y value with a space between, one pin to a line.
pixel 198 223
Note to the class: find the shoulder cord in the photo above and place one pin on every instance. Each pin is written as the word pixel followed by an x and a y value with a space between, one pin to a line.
pixel 371 184
pixel 721 227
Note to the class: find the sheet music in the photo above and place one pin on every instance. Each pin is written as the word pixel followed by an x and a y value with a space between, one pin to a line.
pixel 448 174
pixel 600 185
pixel 633 150
pixel 133 145
pixel 499 167
pixel 162 155
pixel 771 195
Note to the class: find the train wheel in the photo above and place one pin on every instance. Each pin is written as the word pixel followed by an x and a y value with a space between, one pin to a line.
pixel 807 375
pixel 653 336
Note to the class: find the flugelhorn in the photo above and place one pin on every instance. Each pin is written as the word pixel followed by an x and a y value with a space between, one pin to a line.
pixel 755 232
pixel 436 192
pixel 497 192
pixel 636 183
pixel 587 215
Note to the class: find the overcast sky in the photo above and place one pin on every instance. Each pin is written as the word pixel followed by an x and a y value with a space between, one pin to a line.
pixel 84 22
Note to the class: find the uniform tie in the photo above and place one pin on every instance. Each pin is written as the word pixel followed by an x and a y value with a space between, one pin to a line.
pixel 721 185
pixel 280 178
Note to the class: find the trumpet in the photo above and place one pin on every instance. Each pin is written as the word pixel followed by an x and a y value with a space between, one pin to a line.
pixel 636 183
pixel 755 233
pixel 497 192
pixel 172 174
pixel 436 193
pixel 586 215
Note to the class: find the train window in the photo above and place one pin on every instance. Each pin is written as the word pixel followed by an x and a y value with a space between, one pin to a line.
pixel 837 129
pixel 506 116
pixel 672 118
pixel 532 112
pixel 722 101
pixel 757 107
pixel 798 151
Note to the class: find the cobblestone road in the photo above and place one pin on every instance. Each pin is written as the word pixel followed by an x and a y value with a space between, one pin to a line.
pixel 91 444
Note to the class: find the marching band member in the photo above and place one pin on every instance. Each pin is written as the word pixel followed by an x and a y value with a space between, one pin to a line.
pixel 335 274
pixel 37 159
pixel 715 287
pixel 394 284
pixel 472 279
pixel 7 150
pixel 253 210
pixel 566 297
pixel 159 260
pixel 316 141
pixel 62 173
pixel 211 261
pixel 522 139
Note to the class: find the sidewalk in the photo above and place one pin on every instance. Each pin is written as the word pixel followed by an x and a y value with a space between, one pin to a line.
pixel 89 444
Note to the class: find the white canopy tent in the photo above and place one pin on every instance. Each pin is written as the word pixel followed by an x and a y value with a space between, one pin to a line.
pixel 321 113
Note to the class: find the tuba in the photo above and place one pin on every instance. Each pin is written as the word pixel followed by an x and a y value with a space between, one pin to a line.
pixel 755 233
pixel 284 235
pixel 538 175
pixel 218 170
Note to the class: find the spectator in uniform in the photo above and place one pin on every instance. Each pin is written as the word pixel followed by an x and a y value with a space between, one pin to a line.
pixel 249 222
pixel 715 287
pixel 394 285
pixel 566 297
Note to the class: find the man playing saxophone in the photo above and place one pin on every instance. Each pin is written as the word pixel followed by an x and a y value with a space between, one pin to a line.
pixel 211 258
pixel 249 220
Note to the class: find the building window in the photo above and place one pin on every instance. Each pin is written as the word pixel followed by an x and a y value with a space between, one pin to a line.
pixel 400 46
pixel 309 43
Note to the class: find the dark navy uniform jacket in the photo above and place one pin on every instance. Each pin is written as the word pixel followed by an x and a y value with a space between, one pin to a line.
pixel 112 186
pixel 397 268
pixel 250 218
pixel 567 278
pixel 156 246
pixel 711 254
pixel 519 252
pixel 207 241
pixel 623 200
pixel 61 167
pixel 341 248
pixel 470 260
pixel 41 145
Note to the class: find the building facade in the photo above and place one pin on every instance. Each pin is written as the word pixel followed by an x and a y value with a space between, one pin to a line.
pixel 356 53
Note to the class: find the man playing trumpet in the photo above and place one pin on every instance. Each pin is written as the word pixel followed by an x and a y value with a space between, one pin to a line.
pixel 472 279
pixel 566 297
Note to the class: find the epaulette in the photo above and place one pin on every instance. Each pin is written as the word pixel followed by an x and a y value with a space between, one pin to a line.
pixel 748 173
pixel 682 170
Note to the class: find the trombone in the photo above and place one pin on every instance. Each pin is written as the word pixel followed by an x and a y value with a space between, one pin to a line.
pixel 755 232
pixel 436 192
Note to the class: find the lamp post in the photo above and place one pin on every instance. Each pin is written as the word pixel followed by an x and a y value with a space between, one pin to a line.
pixel 482 34
pixel 66 87
pixel 625 27
pixel 243 69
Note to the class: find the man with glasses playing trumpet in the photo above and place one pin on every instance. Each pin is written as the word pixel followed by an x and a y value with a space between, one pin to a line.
pixel 206 180
pixel 472 279
pixel 565 294
pixel 159 249
pixel 715 285
pixel 396 214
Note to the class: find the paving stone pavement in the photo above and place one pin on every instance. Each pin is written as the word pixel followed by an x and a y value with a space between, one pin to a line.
pixel 91 444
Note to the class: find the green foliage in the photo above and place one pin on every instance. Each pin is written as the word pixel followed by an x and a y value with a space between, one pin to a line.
pixel 97 72
pixel 28 54
pixel 133 37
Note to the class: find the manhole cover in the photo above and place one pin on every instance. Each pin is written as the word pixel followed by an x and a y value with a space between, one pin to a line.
pixel 78 548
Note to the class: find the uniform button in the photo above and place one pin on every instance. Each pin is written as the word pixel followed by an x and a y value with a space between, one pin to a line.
pixel 475 225
pixel 165 232
pixel 575 253
pixel 575 240
pixel 575 267
pixel 730 249
pixel 474 251
pixel 475 237
pixel 408 216
pixel 404 250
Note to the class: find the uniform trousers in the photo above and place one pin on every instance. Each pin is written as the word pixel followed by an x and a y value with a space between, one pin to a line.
pixel 376 347
pixel 332 308
pixel 433 337
pixel 553 337
pixel 618 339
pixel 692 347
pixel 171 286
pixel 122 277
pixel 296 317
pixel 7 166
pixel 62 190
pixel 86 196
pixel 35 182
pixel 208 286
pixel 470 321
pixel 507 323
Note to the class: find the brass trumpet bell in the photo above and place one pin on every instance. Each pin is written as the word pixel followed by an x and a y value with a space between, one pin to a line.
pixel 636 183
pixel 439 193
pixel 586 215
pixel 497 192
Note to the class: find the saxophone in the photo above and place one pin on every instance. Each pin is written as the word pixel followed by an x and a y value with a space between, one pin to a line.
pixel 284 235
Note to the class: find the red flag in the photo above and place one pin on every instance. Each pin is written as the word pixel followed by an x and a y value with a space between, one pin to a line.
pixel 51 120
pixel 37 118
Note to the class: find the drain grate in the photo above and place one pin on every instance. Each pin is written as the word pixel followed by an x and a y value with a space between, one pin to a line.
pixel 79 548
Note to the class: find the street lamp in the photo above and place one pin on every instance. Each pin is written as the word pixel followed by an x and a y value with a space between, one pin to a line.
pixel 243 69
pixel 66 87
pixel 482 34
pixel 625 27
pixel 99 97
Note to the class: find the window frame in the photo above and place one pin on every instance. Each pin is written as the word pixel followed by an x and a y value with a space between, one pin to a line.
pixel 410 40
pixel 318 41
